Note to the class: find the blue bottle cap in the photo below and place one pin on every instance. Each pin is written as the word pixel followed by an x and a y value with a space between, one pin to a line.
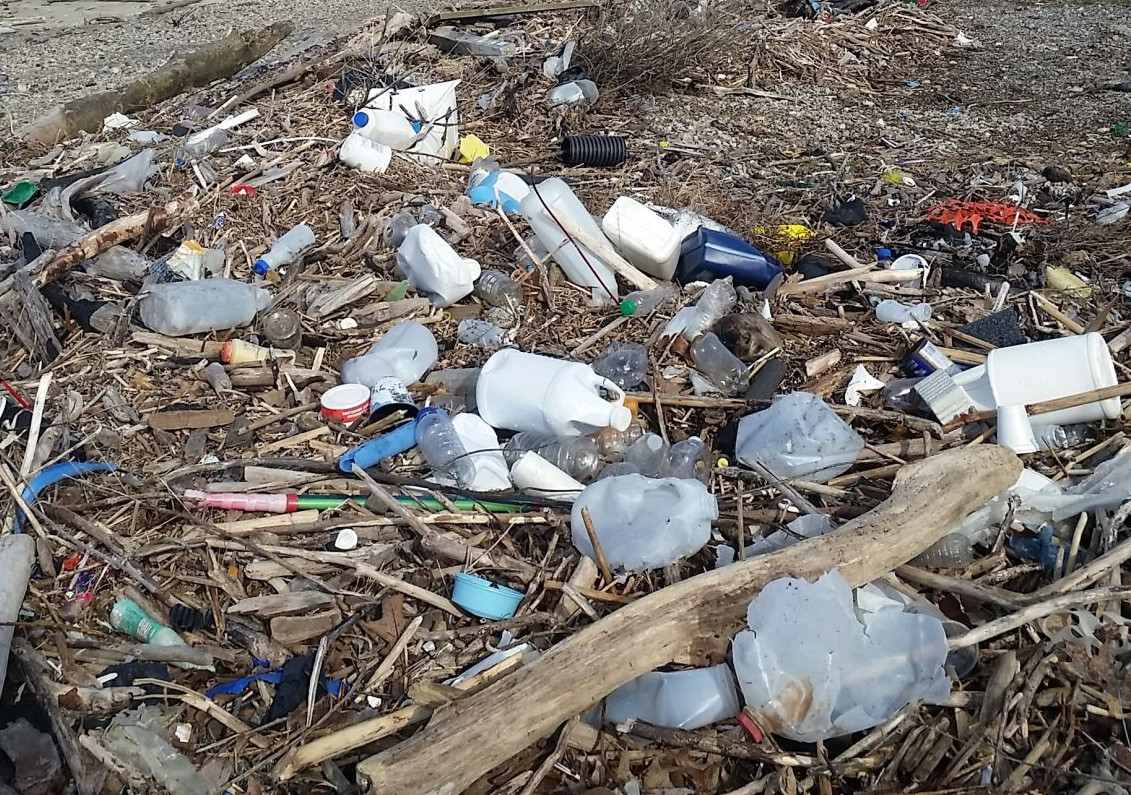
pixel 360 119
pixel 261 267
pixel 883 253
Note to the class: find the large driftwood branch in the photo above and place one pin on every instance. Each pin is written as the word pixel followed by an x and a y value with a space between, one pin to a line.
pixel 689 620
pixel 214 61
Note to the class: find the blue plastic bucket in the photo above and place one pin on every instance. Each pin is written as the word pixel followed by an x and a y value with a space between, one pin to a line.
pixel 484 598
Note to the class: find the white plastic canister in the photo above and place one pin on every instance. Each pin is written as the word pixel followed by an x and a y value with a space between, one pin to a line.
pixel 642 237
pixel 526 392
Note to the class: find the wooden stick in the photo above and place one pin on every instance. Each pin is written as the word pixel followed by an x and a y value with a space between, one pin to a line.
pixel 867 274
pixel 690 620
pixel 386 666
pixel 602 561
pixel 1045 406
pixel 842 255
pixel 1033 612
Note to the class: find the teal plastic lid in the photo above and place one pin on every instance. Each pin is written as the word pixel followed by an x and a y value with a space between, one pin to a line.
pixel 484 598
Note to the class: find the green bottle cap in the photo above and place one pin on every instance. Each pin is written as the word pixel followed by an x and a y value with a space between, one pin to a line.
pixel 627 307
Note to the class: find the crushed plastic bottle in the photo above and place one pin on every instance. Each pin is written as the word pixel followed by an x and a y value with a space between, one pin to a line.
pixel 639 303
pixel 717 300
pixel 286 249
pixel 498 289
pixel 644 523
pixel 179 308
pixel 623 364
pixel 889 311
pixel 442 447
pixel 678 699
pixel 135 738
pixel 685 460
pixel 481 333
pixel 648 455
pixel 575 455
pixel 406 352
pixel 813 665
pixel 726 371
pixel 798 436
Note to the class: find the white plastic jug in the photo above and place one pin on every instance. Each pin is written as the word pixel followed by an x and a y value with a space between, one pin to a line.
pixel 526 392
pixel 642 237
pixel 434 108
pixel 434 268
pixel 645 523
pixel 388 127
pixel 406 352
pixel 365 154
pixel 179 308
pixel 552 200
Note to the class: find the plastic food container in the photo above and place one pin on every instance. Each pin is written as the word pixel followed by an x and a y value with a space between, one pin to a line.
pixel 484 598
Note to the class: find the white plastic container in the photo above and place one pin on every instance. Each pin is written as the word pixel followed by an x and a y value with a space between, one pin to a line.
pixel 1014 429
pixel 387 127
pixel 526 392
pixel 679 700
pixel 581 266
pixel 365 155
pixel 406 353
pixel 1024 374
pixel 536 476
pixel 642 237
pixel 434 108
pixel 179 308
pixel 645 523
pixel 434 268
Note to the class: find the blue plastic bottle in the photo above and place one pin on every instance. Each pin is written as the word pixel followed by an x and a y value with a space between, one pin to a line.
pixel 706 255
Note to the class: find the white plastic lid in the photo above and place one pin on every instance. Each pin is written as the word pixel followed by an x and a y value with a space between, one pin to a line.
pixel 620 417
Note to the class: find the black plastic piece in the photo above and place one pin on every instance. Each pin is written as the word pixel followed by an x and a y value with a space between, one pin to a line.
pixel 594 150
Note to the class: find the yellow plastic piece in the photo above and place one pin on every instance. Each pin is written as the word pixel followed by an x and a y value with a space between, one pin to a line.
pixel 471 148
pixel 1058 277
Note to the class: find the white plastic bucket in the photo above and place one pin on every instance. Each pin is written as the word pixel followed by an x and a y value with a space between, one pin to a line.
pixel 1047 370
pixel 642 237
pixel 526 392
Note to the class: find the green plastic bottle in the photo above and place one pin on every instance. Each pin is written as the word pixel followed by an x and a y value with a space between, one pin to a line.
pixel 128 616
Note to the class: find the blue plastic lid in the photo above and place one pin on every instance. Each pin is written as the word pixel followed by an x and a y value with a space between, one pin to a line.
pixel 484 598
pixel 261 266
pixel 883 253
pixel 360 119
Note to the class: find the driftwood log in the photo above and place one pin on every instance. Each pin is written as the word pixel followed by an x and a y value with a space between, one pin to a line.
pixel 214 61
pixel 693 620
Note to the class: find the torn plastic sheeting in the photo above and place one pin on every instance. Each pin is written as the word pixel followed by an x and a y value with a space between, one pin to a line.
pixel 814 666
pixel 64 470
pixel 678 699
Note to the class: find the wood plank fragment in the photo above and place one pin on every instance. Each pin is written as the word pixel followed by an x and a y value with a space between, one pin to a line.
pixel 189 419
pixel 282 604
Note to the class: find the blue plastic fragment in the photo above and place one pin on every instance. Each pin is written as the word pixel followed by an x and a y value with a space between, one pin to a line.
pixel 51 475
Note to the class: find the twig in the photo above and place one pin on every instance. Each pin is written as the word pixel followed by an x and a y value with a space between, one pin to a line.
pixel 1033 612
pixel 551 760
pixel 602 561
pixel 386 666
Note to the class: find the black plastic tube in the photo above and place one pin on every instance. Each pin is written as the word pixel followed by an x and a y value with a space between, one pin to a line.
pixel 594 150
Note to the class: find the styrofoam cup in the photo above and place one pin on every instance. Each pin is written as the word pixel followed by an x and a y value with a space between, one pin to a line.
pixel 1014 429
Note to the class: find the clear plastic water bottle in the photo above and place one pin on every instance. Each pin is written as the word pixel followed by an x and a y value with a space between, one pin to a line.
pixel 575 455
pixel 128 616
pixel 397 227
pixel 717 300
pixel 179 308
pixel 639 303
pixel 623 364
pixel 482 333
pixel 498 289
pixel 684 459
pixel 899 394
pixel 285 250
pixel 612 445
pixel 441 446
pixel 649 455
pixel 711 357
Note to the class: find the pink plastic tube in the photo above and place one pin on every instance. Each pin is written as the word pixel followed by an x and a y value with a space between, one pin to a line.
pixel 266 503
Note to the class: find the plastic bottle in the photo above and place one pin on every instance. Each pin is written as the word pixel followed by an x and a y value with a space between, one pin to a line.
pixel 179 308
pixel 397 227
pixel 613 444
pixel 899 394
pixel 889 311
pixel 648 455
pixel 678 699
pixel 282 329
pixel 387 127
pixel 128 616
pixel 952 551
pixel 707 254
pixel 481 333
pixel 434 268
pixel 644 523
pixel 624 365
pixel 684 459
pixel 552 202
pixel 715 302
pixel 575 455
pixel 643 302
pixel 441 446
pixel 526 392
pixel 498 289
pixel 711 357
pixel 578 92
pixel 285 250
pixel 405 352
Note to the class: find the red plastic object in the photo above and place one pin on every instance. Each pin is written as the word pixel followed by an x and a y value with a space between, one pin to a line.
pixel 959 213
pixel 242 190
pixel 746 721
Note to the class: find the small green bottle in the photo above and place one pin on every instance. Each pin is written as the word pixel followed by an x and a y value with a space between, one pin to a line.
pixel 129 617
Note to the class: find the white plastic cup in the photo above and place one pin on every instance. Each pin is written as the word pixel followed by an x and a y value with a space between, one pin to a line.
pixel 345 403
pixel 1014 429
pixel 534 475
pixel 1051 369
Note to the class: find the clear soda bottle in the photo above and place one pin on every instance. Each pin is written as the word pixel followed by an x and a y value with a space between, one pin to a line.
pixel 441 446
pixel 498 289
pixel 575 455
